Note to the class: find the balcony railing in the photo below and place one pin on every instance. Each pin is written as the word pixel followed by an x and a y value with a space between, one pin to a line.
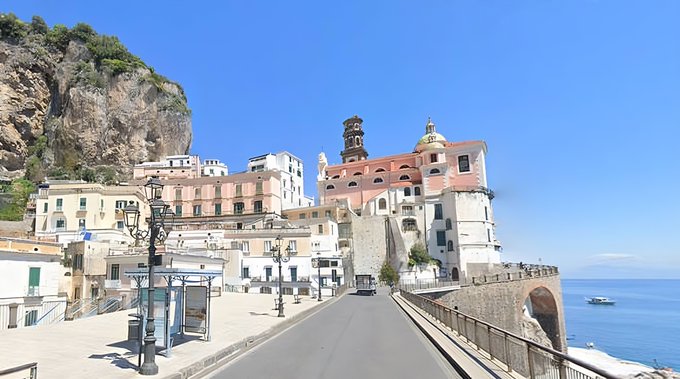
pixel 33 291
pixel 112 284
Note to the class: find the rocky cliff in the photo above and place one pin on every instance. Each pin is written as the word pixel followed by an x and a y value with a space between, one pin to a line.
pixel 77 104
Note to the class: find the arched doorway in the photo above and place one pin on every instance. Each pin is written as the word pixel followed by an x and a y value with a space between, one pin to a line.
pixel 542 306
pixel 454 274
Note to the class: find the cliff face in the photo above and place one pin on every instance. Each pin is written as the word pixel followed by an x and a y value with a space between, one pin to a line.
pixel 64 109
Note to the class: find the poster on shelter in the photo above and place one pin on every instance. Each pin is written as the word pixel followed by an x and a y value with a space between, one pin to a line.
pixel 158 312
pixel 196 310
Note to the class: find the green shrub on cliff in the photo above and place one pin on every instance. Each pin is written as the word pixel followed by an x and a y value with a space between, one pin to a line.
pixel 20 189
pixel 39 26
pixel 11 27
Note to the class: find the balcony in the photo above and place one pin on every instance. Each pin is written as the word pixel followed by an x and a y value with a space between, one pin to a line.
pixel 33 291
pixel 112 284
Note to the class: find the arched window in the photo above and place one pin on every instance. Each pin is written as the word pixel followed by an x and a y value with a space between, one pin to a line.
pixel 407 191
pixel 409 225
pixel 351 160
pixel 404 166
pixel 449 245
pixel 336 177
pixel 380 170
pixel 382 204
pixel 352 184
pixel 377 180
pixel 404 177
pixel 330 187
pixel 435 171
pixel 448 225
pixel 416 191
pixel 357 173
pixel 357 141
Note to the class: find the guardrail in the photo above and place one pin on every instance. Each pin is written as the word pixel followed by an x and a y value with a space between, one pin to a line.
pixel 518 354
pixel 19 371
pixel 422 284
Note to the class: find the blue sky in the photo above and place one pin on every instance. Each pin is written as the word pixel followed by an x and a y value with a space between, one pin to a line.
pixel 578 101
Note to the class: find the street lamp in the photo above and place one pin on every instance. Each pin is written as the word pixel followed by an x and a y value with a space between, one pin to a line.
pixel 160 214
pixel 279 257
pixel 317 262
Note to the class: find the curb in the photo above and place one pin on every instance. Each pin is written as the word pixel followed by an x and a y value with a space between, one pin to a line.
pixel 216 360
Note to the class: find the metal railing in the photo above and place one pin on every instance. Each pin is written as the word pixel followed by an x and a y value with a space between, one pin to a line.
pixel 30 371
pixel 421 284
pixel 518 354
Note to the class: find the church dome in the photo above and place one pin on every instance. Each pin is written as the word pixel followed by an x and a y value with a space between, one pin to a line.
pixel 431 139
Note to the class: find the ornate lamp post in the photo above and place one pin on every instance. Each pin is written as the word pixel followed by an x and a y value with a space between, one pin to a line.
pixel 316 262
pixel 279 257
pixel 160 214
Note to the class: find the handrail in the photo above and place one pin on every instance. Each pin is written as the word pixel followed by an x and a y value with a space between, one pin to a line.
pixel 48 312
pixel 414 298
pixel 29 366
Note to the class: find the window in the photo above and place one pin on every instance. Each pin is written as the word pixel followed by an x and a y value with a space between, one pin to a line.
pixel 448 224
pixel 303 216
pixel 438 214
pixel 330 187
pixel 45 208
pixel 328 213
pixel 377 180
pixel 433 158
pixel 218 209
pixel 336 177
pixel 78 262
pixel 404 177
pixel 121 204
pixel 409 225
pixel 245 246
pixel 488 235
pixel 463 163
pixel 357 173
pixel 120 225
pixel 334 263
pixel 60 204
pixel 197 210
pixel 486 213
pixel 61 223
pixel 245 272
pixel 257 206
pixel 293 274
pixel 407 191
pixel 81 223
pixel 352 184
pixel 407 210
pixel 33 281
pixel 239 190
pixel 268 273
pixel 320 228
pixel 258 188
pixel 178 194
pixel 404 167
pixel 416 191
pixel 115 272
pixel 449 245
pixel 31 318
pixel 212 171
pixel 197 193
pixel 441 238
pixel 267 246
pixel 435 171
pixel 218 191
pixel 315 214
pixel 83 203
pixel 292 244
pixel 324 263
pixel 178 210
pixel 382 204
pixel 380 170
pixel 238 208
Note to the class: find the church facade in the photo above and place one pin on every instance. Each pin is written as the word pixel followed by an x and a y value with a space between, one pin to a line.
pixel 437 195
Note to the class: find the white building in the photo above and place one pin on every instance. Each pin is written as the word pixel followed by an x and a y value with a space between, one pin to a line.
pixel 171 167
pixel 292 177
pixel 213 167
pixel 30 274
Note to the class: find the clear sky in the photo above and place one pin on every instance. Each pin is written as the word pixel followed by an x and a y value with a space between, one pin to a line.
pixel 578 101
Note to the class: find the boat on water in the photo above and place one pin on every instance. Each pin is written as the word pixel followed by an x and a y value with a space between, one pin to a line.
pixel 600 300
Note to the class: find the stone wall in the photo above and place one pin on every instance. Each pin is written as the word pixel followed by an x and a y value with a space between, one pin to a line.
pixel 501 304
pixel 370 247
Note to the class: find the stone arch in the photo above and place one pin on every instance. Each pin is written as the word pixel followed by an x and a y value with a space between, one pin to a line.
pixel 542 306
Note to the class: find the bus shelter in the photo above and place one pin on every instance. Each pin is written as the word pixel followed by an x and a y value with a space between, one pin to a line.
pixel 183 306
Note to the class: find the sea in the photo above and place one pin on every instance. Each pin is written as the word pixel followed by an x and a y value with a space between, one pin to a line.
pixel 643 325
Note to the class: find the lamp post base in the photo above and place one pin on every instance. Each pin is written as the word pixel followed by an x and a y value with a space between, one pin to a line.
pixel 149 368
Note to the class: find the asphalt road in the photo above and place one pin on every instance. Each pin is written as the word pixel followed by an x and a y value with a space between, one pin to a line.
pixel 356 337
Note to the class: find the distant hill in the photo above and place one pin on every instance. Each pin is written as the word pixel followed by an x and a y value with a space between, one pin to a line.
pixel 76 104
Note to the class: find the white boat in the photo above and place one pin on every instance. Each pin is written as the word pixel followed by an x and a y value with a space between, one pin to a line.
pixel 600 300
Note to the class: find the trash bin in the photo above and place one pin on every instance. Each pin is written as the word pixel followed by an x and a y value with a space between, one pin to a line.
pixel 134 327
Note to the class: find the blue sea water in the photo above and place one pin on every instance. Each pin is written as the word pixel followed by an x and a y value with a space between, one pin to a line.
pixel 643 325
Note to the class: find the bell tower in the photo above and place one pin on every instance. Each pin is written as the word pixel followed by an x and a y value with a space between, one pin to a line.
pixel 354 140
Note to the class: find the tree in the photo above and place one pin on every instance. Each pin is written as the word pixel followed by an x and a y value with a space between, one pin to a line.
pixel 388 274
pixel 38 25
pixel 418 255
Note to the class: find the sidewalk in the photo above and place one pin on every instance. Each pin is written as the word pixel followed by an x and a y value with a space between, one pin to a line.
pixel 97 346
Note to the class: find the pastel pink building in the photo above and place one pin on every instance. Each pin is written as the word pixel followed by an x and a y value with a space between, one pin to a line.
pixel 439 191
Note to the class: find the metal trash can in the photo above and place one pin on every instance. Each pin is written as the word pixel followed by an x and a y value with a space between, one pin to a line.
pixel 134 327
